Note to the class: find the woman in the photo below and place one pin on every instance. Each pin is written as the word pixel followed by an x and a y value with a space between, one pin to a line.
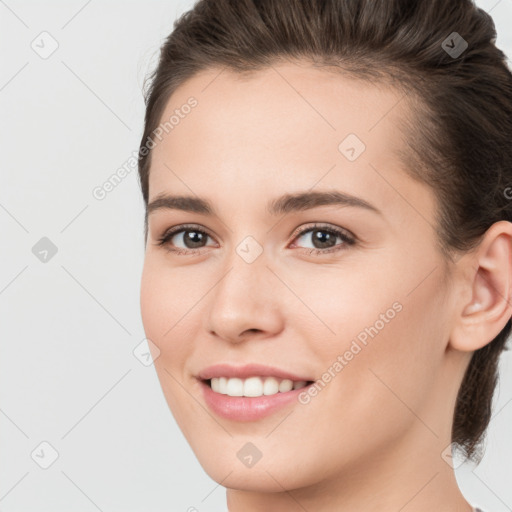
pixel 327 275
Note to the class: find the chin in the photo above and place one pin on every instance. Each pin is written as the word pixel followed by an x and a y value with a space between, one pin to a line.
pixel 266 475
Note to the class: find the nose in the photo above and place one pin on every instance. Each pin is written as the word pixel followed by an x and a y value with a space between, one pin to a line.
pixel 245 303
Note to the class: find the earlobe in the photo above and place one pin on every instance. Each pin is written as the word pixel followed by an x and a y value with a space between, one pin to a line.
pixel 489 279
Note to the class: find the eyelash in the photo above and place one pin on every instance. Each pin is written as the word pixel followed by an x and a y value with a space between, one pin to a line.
pixel 347 239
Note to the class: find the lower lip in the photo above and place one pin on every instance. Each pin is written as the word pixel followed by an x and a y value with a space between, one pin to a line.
pixel 245 408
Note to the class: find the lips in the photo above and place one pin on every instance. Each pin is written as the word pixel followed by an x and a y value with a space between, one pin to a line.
pixel 259 402
pixel 249 370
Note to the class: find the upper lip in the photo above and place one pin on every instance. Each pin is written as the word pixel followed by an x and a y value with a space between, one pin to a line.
pixel 248 370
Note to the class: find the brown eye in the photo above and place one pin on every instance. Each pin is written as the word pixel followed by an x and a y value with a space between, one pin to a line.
pixel 191 238
pixel 324 239
pixel 183 239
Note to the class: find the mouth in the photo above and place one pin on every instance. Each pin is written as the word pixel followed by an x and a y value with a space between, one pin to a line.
pixel 250 392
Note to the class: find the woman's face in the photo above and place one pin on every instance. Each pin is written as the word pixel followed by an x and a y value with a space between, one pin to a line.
pixel 360 304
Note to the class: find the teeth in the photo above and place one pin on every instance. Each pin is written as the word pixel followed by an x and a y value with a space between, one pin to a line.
pixel 285 385
pixel 254 386
pixel 271 386
pixel 215 385
pixel 235 387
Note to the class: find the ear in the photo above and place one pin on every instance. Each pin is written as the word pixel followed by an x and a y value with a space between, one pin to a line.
pixel 486 302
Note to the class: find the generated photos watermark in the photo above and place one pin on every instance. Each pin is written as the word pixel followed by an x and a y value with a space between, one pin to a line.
pixel 358 343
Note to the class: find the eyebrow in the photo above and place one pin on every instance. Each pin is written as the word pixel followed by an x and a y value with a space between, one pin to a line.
pixel 282 205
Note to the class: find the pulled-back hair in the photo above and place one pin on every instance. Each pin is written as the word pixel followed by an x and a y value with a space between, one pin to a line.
pixel 457 140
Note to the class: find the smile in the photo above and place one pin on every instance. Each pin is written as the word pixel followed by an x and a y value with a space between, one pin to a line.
pixel 250 392
pixel 254 386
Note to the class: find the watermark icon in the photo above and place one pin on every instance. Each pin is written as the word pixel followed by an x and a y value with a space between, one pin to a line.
pixel 355 348
pixel 44 250
pixel 144 351
pixel 44 455
pixel 45 45
pixel 508 193
pixel 449 456
pixel 249 455
pixel 351 147
pixel 249 249
pixel 454 45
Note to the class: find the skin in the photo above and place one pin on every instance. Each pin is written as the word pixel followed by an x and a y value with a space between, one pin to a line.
pixel 372 439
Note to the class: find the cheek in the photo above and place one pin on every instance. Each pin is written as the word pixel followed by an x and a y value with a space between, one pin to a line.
pixel 153 301
pixel 341 303
pixel 389 331
pixel 163 312
pixel 164 304
pixel 400 301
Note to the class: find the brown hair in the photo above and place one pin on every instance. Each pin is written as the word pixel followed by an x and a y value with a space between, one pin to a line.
pixel 458 140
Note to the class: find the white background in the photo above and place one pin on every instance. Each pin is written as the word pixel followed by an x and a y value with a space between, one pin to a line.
pixel 68 327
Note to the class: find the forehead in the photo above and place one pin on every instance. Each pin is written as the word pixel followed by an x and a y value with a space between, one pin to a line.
pixel 291 124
